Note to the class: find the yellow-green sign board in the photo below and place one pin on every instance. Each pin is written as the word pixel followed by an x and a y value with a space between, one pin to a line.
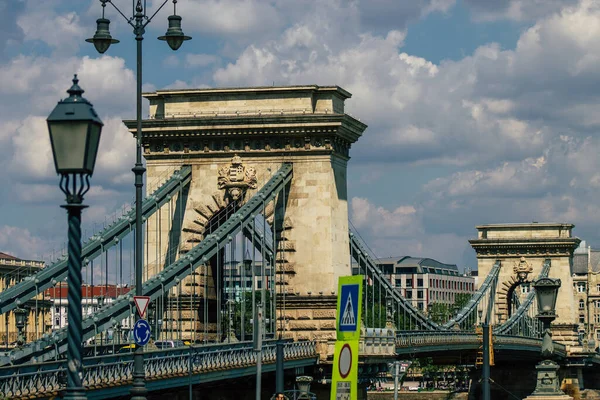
pixel 349 305
pixel 344 383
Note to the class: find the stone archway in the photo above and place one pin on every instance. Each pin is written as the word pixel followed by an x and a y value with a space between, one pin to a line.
pixel 202 283
pixel 504 297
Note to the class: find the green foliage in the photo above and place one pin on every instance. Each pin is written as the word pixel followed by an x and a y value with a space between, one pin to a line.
pixel 246 303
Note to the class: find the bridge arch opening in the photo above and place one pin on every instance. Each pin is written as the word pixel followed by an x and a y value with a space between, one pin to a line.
pixel 510 296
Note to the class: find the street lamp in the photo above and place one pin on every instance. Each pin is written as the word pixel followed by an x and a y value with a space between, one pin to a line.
pixel 75 131
pixel 102 41
pixel 20 322
pixel 546 291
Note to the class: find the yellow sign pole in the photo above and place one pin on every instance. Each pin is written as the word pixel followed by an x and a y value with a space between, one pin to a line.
pixel 344 382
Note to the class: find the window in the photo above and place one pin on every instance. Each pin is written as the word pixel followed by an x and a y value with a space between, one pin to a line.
pixel 420 282
pixel 409 282
pixel 598 287
pixel 581 287
pixel 582 319
pixel 581 304
pixel 597 335
pixel 597 318
pixel 408 294
pixel 525 288
pixel 398 282
pixel 419 294
pixel 420 305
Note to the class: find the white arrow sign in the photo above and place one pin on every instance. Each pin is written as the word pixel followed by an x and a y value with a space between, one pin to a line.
pixel 141 303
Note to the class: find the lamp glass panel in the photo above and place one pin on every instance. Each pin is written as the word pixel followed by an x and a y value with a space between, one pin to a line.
pixel 68 145
pixel 102 45
pixel 174 42
pixel 92 147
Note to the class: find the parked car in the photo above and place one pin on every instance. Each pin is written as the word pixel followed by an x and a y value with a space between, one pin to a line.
pixel 130 348
pixel 168 344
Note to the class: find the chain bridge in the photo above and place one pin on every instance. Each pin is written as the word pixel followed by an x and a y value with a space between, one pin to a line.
pixel 246 204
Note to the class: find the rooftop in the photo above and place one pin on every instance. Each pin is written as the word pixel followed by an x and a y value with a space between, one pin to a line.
pixel 420 265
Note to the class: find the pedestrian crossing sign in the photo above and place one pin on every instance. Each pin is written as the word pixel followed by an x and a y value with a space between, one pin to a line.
pixel 348 307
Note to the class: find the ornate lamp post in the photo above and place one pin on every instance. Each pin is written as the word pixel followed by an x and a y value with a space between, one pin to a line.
pixel 102 41
pixel 389 308
pixel 20 322
pixel 75 131
pixel 152 319
pixel 546 291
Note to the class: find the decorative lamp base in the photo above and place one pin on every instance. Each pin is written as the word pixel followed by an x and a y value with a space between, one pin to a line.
pixel 548 385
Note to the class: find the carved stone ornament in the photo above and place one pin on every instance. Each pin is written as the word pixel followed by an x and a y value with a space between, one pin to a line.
pixel 522 268
pixel 237 178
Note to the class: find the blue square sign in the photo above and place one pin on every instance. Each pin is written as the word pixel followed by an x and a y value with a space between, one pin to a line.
pixel 349 308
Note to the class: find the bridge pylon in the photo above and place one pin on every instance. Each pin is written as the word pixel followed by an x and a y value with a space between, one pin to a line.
pixel 522 250
pixel 234 140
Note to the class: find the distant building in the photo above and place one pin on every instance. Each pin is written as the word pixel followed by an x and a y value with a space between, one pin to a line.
pixel 12 271
pixel 237 278
pixel 92 298
pixel 424 280
pixel 586 289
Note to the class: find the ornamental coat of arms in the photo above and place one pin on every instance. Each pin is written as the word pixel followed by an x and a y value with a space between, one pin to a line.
pixel 237 178
pixel 522 268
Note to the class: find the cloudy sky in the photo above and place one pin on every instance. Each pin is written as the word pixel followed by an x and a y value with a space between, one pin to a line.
pixel 479 111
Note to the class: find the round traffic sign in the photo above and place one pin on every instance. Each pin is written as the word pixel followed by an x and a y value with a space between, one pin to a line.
pixel 345 361
pixel 141 332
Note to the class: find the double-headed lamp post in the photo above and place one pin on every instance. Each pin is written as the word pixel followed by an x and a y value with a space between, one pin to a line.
pixel 102 40
pixel 75 131
pixel 546 291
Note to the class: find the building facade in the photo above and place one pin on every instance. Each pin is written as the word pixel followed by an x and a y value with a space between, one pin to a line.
pixel 12 271
pixel 586 290
pixel 92 298
pixel 424 281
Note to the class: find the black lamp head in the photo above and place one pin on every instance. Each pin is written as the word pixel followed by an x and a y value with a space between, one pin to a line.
pixel 174 36
pixel 102 38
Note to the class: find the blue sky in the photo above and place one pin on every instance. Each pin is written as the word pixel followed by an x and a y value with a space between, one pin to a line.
pixel 479 111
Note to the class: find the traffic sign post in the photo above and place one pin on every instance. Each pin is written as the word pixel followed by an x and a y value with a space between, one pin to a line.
pixel 141 303
pixel 349 307
pixel 344 384
pixel 141 332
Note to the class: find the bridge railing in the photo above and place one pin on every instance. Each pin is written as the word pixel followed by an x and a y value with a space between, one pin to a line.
pixel 426 338
pixel 48 379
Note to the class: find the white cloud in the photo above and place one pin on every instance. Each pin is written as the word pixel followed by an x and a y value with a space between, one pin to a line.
pixel 21 243
pixel 62 32
pixel 517 10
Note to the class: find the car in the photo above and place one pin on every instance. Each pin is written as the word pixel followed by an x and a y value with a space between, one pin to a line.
pixel 168 344
pixel 127 349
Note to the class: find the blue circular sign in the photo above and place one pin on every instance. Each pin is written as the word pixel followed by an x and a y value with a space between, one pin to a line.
pixel 141 332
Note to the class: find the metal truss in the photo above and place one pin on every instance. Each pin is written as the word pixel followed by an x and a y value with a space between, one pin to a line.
pixel 522 313
pixel 31 286
pixel 49 346
pixel 487 287
pixel 366 264
pixel 43 380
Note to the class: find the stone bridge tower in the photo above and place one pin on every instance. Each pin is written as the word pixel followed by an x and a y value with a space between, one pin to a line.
pixel 251 132
pixel 524 248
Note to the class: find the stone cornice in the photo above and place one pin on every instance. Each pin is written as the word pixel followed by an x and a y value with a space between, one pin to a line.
pixel 518 247
pixel 343 125
pixel 247 90
pixel 210 137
